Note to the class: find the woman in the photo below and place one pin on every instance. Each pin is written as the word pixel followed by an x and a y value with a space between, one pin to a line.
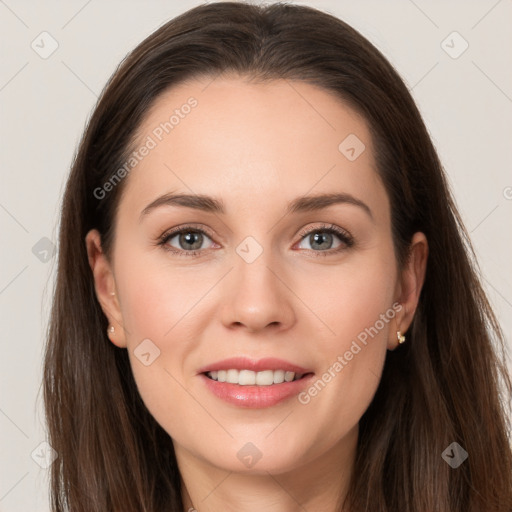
pixel 266 299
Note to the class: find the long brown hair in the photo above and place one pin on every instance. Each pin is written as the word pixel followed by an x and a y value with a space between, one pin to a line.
pixel 448 383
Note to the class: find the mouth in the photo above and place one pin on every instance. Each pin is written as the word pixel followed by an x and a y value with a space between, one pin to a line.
pixel 252 378
pixel 245 382
pixel 257 390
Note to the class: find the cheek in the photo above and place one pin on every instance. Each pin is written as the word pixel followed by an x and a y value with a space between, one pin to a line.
pixel 160 334
pixel 356 303
pixel 351 297
pixel 162 322
pixel 155 298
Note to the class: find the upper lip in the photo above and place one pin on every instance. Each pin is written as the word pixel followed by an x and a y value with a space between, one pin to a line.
pixel 245 363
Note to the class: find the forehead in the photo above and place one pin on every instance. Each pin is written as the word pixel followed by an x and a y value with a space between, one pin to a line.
pixel 267 142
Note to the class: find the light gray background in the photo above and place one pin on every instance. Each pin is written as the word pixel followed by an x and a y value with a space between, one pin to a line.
pixel 466 103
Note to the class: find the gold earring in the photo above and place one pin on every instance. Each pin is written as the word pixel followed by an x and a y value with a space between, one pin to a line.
pixel 400 337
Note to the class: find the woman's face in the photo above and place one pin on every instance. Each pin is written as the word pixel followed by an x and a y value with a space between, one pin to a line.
pixel 262 270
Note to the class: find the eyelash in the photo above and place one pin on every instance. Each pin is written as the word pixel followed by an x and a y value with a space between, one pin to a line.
pixel 346 239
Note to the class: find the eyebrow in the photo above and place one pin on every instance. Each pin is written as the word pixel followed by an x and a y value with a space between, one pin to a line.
pixel 212 205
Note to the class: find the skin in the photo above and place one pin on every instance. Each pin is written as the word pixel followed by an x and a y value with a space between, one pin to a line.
pixel 256 147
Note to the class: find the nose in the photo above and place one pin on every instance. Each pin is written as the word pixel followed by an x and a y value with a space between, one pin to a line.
pixel 257 297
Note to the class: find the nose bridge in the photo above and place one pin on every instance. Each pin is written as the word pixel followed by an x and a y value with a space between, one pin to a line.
pixel 253 269
pixel 257 296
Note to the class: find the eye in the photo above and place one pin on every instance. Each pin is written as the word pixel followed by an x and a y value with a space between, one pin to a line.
pixel 190 240
pixel 321 239
pixel 184 241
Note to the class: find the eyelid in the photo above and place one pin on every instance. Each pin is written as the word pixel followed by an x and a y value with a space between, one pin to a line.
pixel 191 227
pixel 330 228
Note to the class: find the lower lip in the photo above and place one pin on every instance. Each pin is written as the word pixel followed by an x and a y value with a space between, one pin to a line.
pixel 256 397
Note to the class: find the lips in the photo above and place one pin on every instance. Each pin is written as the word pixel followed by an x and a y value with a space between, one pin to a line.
pixel 275 380
pixel 256 397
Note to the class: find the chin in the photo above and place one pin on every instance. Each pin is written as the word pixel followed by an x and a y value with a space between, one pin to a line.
pixel 257 458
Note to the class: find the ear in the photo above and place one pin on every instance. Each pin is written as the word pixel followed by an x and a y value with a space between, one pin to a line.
pixel 104 284
pixel 409 287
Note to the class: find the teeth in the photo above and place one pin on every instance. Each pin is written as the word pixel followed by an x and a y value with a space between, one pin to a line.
pixel 232 376
pixel 245 378
pixel 278 376
pixel 250 378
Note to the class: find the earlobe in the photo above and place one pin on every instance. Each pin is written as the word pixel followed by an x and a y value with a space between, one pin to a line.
pixel 104 285
pixel 409 287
